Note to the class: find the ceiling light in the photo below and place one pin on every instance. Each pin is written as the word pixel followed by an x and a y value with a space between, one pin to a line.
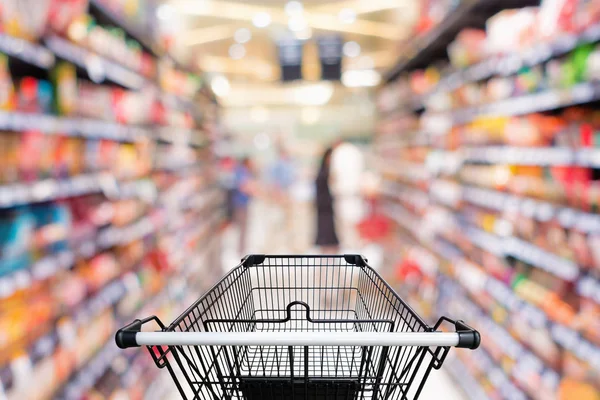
pixel 310 115
pixel 316 94
pixel 242 35
pixel 261 20
pixel 220 86
pixel 259 114
pixel 165 12
pixel 293 8
pixel 297 24
pixel 347 15
pixel 361 78
pixel 237 51
pixel 304 34
pixel 351 49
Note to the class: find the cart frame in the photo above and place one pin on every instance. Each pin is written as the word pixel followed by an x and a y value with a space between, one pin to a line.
pixel 299 327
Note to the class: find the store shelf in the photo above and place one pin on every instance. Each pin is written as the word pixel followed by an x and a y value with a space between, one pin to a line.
pixel 538 102
pixel 510 64
pixel 87 128
pixel 52 189
pixel 589 286
pixel 42 269
pixel 428 48
pixel 471 388
pixel 416 198
pixel 542 211
pixel 535 156
pixel 101 10
pixel 27 52
pixel 119 236
pixel 522 250
pixel 98 67
pixel 181 136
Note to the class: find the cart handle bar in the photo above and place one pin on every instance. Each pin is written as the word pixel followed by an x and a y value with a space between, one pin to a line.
pixel 465 339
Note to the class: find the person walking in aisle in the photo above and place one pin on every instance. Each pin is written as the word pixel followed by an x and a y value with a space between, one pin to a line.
pixel 281 176
pixel 327 238
pixel 244 190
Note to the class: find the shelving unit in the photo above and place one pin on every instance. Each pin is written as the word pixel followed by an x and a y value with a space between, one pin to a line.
pixel 97 67
pixel 142 246
pixel 487 228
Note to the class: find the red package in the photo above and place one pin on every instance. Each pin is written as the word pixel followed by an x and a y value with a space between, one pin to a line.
pixel 63 12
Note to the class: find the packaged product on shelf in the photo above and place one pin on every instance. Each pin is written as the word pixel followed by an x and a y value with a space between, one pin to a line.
pixel 16 240
pixel 34 96
pixel 99 270
pixel 29 155
pixel 423 81
pixel 7 91
pixel 52 227
pixel 499 88
pixel 432 13
pixel 64 12
pixel 25 18
pixel 528 80
pixel 64 78
pixel 510 31
pixel 9 151
pixel 94 101
pixel 557 18
pixel 468 48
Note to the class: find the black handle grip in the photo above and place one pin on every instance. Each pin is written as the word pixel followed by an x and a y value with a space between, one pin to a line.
pixel 468 338
pixel 125 337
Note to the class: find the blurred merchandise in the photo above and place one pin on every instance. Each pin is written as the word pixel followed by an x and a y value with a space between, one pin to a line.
pixel 88 165
pixel 495 194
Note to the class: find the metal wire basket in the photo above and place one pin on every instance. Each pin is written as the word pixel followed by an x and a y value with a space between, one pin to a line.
pixel 299 327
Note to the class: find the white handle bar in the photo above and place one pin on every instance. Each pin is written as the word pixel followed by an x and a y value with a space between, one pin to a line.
pixel 296 339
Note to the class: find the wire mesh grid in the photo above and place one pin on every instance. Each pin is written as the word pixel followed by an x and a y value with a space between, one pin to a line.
pixel 300 294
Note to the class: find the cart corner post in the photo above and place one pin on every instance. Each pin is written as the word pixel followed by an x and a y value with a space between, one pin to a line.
pixel 253 259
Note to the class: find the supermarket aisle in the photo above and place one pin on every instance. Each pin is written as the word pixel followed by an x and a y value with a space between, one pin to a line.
pixel 263 234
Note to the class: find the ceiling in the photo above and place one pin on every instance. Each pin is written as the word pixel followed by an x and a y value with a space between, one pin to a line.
pixel 205 30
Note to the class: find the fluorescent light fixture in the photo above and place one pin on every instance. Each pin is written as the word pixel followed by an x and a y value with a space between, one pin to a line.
pixel 237 51
pixel 316 94
pixel 297 24
pixel 165 12
pixel 293 8
pixel 361 78
pixel 310 115
pixel 304 34
pixel 347 15
pixel 351 49
pixel 242 35
pixel 261 19
pixel 259 114
pixel 220 86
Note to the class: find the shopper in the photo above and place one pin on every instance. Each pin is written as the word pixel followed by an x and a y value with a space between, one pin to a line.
pixel 347 165
pixel 281 177
pixel 244 190
pixel 327 238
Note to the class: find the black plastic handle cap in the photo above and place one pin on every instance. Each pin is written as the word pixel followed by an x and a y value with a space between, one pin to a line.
pixel 468 338
pixel 355 259
pixel 125 337
pixel 253 259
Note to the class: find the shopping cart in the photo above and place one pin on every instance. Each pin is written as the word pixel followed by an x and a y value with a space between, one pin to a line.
pixel 299 327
